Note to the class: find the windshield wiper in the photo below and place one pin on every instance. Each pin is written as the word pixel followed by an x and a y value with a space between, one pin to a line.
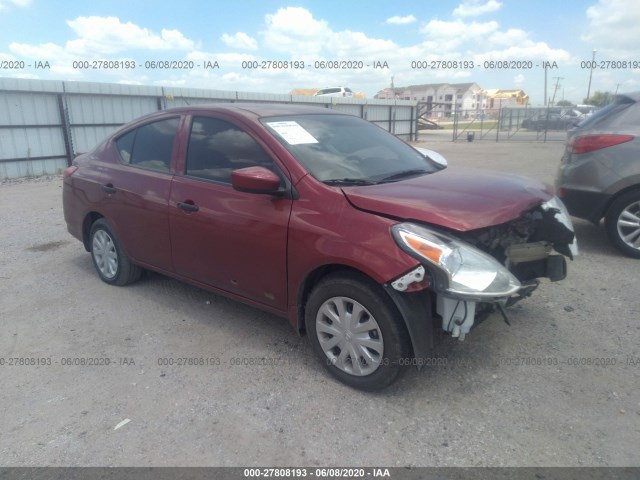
pixel 404 174
pixel 348 181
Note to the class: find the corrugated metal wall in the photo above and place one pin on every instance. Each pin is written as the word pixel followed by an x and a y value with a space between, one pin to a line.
pixel 93 117
pixel 31 135
pixel 44 124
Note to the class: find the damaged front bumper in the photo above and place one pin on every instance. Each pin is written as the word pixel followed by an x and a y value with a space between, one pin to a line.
pixel 531 247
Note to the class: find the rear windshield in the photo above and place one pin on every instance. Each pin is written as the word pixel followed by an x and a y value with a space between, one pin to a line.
pixel 621 104
pixel 341 147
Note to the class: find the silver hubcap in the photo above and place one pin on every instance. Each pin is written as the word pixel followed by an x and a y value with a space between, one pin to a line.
pixel 349 336
pixel 104 254
pixel 629 225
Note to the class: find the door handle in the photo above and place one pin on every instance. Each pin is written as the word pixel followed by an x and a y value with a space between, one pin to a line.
pixel 189 207
pixel 108 188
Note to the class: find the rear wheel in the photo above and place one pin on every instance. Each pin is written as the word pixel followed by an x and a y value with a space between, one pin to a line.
pixel 357 332
pixel 623 223
pixel 112 264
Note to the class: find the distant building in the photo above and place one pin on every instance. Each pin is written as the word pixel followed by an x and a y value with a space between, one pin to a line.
pixel 304 91
pixel 501 98
pixel 438 100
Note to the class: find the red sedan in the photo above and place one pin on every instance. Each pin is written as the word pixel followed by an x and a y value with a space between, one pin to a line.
pixel 360 240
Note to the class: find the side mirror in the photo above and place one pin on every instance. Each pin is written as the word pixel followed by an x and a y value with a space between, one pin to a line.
pixel 434 156
pixel 255 180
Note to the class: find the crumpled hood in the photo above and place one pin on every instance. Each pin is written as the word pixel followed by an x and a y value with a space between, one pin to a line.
pixel 458 198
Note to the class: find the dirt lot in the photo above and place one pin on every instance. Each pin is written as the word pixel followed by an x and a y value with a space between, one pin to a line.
pixel 558 387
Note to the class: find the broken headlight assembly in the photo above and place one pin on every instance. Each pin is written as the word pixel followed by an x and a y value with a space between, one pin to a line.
pixel 461 270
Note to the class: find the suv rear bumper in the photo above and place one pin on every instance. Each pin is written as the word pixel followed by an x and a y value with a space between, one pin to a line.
pixel 583 204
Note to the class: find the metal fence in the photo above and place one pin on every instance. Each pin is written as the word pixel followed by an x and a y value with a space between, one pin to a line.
pixel 504 124
pixel 45 124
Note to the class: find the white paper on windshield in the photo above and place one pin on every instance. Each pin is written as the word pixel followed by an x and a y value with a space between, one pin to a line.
pixel 292 132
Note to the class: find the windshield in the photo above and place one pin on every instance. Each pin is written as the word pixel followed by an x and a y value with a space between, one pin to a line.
pixel 341 149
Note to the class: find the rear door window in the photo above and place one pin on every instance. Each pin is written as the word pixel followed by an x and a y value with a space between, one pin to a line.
pixel 149 146
pixel 124 146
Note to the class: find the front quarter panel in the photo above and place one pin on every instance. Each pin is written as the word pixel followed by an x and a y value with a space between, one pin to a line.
pixel 326 230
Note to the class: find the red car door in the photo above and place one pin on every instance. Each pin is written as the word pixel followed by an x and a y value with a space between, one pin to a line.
pixel 228 239
pixel 136 191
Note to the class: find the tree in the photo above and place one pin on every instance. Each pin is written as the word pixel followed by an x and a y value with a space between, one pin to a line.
pixel 599 99
pixel 565 103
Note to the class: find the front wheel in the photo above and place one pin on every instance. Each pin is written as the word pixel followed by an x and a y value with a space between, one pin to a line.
pixel 357 332
pixel 623 223
pixel 112 264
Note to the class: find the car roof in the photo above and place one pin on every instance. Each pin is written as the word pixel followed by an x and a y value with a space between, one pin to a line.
pixel 250 111
pixel 257 109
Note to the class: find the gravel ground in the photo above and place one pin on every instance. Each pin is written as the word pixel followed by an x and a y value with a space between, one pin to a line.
pixel 557 388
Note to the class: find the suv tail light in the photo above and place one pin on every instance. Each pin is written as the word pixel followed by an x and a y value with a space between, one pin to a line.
pixel 589 143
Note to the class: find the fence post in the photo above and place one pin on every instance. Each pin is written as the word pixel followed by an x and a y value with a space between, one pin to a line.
pixel 413 128
pixel 455 124
pixel 160 100
pixel 66 129
pixel 546 124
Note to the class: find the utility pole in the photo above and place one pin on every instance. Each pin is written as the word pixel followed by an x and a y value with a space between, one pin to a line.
pixel 593 63
pixel 553 101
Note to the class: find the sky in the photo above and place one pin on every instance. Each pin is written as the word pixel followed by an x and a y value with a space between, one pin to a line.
pixel 277 46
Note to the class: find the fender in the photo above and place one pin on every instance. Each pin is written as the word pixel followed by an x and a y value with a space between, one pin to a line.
pixel 415 309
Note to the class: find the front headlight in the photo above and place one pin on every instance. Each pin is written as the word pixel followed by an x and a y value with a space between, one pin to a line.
pixel 464 270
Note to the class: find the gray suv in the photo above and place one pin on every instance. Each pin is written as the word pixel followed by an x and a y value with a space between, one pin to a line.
pixel 599 175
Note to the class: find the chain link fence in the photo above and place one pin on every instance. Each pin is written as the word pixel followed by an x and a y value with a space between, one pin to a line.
pixel 508 123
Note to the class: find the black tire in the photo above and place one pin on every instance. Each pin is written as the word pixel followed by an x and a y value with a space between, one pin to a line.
pixel 382 366
pixel 626 204
pixel 111 263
